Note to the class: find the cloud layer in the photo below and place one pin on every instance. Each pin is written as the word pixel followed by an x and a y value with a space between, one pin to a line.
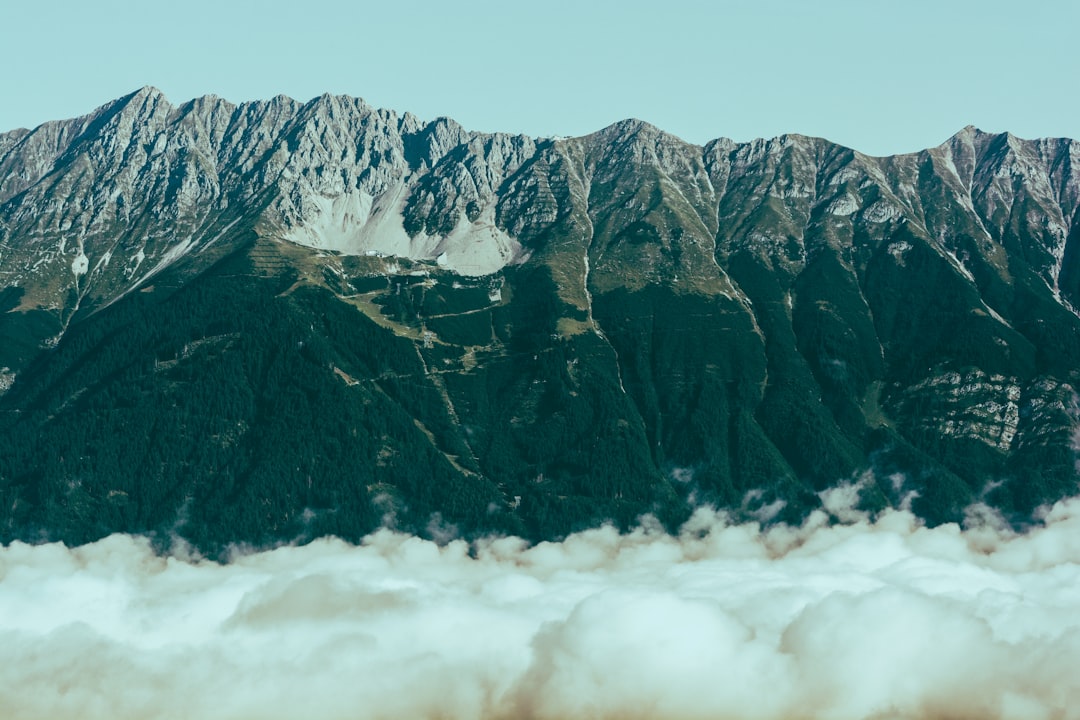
pixel 869 619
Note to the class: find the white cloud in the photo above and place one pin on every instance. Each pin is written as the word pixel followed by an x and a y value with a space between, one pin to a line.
pixel 879 619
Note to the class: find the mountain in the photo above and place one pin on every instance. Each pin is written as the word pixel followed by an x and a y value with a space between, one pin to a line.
pixel 271 321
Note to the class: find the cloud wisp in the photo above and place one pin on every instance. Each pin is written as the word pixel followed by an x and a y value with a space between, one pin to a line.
pixel 866 619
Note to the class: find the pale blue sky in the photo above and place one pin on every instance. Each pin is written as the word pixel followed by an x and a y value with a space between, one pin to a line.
pixel 882 77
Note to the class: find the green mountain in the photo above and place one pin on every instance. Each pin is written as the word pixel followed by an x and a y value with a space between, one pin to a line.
pixel 271 321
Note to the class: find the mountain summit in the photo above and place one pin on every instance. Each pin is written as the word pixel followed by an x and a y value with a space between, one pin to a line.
pixel 278 320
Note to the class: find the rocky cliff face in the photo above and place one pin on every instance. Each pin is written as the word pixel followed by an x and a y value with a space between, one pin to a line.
pixel 567 330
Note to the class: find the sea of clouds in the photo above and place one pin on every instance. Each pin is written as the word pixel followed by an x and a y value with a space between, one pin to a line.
pixel 869 618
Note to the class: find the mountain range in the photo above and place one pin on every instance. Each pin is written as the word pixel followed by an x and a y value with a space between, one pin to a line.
pixel 273 321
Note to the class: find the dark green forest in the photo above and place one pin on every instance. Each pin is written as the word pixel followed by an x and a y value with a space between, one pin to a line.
pixel 252 405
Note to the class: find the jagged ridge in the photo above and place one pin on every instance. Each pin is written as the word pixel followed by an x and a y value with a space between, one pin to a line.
pixel 824 311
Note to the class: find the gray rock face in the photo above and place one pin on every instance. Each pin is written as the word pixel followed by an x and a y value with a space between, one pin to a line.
pixel 99 204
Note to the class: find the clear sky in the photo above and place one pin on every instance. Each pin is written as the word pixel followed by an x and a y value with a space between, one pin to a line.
pixel 883 77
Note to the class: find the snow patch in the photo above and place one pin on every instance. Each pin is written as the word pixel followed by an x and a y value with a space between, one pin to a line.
pixel 173 254
pixel 104 261
pixel 958 265
pixel 217 237
pixel 137 258
pixel 355 223
pixel 333 223
pixel 996 316
pixel 480 247
pixel 899 249
pixel 80 264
